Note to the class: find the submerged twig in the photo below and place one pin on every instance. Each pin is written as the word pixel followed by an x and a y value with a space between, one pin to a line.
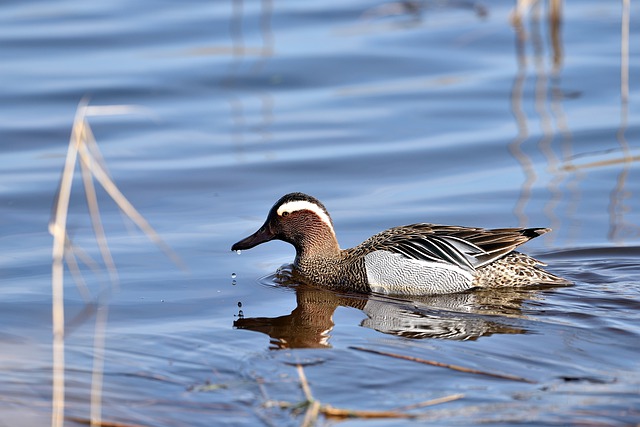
pixel 102 423
pixel 304 383
pixel 314 407
pixel 446 365
pixel 330 411
pixel 311 416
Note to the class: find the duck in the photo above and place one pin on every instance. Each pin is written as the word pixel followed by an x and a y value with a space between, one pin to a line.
pixel 416 259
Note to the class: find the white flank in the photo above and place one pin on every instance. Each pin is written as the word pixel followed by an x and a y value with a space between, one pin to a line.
pixel 301 205
pixel 391 273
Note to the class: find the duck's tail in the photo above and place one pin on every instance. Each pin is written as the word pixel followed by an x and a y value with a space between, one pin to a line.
pixel 517 269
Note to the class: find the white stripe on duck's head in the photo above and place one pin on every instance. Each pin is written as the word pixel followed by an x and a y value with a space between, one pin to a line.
pixel 296 218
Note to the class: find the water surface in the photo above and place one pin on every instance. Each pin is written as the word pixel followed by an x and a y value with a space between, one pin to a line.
pixel 445 112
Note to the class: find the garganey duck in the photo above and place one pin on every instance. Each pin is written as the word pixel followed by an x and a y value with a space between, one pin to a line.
pixel 417 259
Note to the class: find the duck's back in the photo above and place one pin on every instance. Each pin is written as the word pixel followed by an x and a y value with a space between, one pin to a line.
pixel 434 259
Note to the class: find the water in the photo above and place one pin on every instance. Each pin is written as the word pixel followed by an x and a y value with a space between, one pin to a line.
pixel 438 113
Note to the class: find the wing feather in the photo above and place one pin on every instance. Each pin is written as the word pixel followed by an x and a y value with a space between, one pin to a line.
pixel 466 247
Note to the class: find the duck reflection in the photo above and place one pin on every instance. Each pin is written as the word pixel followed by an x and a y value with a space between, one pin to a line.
pixel 464 316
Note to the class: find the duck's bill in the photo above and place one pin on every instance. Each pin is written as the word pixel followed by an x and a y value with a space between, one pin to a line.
pixel 260 236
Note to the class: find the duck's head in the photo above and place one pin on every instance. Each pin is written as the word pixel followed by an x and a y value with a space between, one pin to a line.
pixel 298 219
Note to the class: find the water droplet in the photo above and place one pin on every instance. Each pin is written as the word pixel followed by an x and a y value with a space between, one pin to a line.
pixel 233 283
pixel 240 314
pixel 233 275
pixel 239 304
pixel 238 251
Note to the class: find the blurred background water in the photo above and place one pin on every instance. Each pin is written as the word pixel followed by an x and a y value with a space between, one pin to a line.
pixel 489 114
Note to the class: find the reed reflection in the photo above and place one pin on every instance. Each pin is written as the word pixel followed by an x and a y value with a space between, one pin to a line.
pixel 465 316
pixel 548 109
pixel 409 14
pixel 239 98
pixel 567 169
pixel 619 227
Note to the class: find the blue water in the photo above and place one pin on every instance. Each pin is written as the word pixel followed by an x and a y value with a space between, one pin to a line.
pixel 445 112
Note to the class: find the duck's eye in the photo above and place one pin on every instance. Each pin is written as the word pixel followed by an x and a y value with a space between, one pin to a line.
pixel 285 213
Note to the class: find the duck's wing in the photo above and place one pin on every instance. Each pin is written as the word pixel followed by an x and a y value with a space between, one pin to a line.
pixel 467 247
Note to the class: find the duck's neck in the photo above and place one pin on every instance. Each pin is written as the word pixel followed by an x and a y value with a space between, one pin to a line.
pixel 318 246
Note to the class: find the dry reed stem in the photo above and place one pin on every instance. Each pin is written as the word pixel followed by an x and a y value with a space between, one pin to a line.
pixel 86 259
pixel 97 375
pixel 83 144
pixel 94 212
pixel 431 402
pixel 58 228
pixel 602 163
pixel 123 203
pixel 70 259
pixel 446 365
